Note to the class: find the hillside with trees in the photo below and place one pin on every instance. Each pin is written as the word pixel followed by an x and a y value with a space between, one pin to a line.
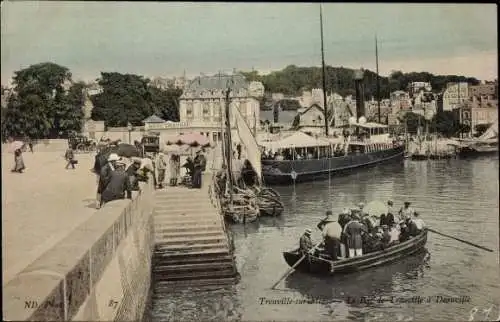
pixel 292 80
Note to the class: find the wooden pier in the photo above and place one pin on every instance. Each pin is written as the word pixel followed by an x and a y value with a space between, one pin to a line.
pixel 192 246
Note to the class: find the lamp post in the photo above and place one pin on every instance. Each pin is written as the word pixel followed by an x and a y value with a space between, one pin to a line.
pixel 129 128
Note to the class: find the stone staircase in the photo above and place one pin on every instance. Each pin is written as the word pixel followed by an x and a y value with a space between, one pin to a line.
pixel 192 247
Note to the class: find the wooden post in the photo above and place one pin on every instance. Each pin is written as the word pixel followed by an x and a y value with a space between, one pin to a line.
pixel 229 147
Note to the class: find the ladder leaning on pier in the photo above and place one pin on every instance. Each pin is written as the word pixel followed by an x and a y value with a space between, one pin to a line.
pixel 192 246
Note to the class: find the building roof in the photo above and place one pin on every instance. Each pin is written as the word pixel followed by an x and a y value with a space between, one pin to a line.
pixel 153 119
pixel 219 81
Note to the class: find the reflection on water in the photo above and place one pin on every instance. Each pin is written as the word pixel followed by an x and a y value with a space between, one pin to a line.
pixel 457 197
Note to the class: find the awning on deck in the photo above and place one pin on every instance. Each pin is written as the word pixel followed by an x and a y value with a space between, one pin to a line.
pixel 296 140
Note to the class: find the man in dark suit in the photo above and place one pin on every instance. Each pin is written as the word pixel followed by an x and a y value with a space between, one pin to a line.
pixel 118 184
pixel 200 163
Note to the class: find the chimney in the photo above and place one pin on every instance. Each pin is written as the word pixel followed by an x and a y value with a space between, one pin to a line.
pixel 360 105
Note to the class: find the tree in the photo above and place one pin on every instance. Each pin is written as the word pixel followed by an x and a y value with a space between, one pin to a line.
pixel 413 121
pixel 129 98
pixel 68 116
pixel 165 103
pixel 41 107
pixel 125 98
pixel 445 123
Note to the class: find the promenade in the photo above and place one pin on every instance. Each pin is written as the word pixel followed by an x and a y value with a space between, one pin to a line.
pixel 42 205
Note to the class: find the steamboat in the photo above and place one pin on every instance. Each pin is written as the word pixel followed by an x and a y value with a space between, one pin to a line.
pixel 300 157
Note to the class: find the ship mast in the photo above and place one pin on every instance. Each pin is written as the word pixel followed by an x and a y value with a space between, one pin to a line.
pixel 378 79
pixel 325 109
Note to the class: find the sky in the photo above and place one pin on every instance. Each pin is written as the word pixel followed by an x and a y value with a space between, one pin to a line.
pixel 167 39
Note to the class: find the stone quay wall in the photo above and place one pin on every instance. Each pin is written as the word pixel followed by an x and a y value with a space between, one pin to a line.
pixel 100 272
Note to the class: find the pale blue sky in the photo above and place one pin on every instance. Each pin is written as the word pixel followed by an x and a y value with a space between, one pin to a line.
pixel 164 39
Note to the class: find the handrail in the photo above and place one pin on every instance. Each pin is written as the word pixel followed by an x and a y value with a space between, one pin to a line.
pixel 214 199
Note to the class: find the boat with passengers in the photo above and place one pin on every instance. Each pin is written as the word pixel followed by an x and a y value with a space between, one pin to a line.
pixel 300 157
pixel 321 264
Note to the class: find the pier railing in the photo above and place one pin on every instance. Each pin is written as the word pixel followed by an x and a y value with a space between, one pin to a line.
pixel 213 195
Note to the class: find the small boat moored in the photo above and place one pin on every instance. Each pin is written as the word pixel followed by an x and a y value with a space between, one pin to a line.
pixel 318 265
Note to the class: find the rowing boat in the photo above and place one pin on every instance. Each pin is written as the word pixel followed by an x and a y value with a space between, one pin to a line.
pixel 318 265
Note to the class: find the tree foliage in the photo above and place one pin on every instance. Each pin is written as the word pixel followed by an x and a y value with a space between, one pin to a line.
pixel 293 79
pixel 129 98
pixel 41 107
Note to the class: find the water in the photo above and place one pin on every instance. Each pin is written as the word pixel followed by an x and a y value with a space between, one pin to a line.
pixel 457 197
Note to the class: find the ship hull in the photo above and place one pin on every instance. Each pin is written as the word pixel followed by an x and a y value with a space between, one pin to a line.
pixel 281 172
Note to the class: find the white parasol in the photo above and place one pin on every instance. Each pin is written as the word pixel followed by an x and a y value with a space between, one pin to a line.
pixel 16 145
pixel 375 208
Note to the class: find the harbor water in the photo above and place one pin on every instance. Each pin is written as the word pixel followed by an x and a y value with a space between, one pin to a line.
pixel 454 281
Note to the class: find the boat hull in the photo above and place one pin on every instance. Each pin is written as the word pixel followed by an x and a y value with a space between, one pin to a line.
pixel 320 266
pixel 281 171
pixel 470 152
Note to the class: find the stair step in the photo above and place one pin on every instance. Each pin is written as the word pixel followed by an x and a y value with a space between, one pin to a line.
pixel 169 286
pixel 183 215
pixel 163 222
pixel 192 267
pixel 207 258
pixel 160 241
pixel 227 273
pixel 192 234
pixel 192 253
pixel 193 204
pixel 172 250
pixel 199 229
pixel 172 194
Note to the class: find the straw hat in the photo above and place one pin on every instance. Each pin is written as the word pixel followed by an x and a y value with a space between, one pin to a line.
pixel 113 157
pixel 308 231
pixel 330 218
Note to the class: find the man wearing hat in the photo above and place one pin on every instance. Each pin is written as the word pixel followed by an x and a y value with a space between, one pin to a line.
pixel 305 242
pixel 331 232
pixel 406 212
pixel 105 175
pixel 353 231
pixel 118 184
pixel 200 162
pixel 161 168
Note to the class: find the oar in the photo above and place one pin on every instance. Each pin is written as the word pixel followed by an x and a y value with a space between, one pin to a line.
pixel 295 265
pixel 461 240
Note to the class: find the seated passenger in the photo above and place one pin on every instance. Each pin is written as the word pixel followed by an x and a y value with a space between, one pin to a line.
pixel 386 236
pixel 394 233
pixel 417 224
pixel 305 243
pixel 405 233
pixel 389 220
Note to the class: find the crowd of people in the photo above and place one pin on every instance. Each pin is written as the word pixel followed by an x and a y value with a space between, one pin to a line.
pixel 355 232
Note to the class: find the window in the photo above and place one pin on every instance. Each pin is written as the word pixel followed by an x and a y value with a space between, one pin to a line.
pixel 189 110
pixel 206 111
pixel 217 112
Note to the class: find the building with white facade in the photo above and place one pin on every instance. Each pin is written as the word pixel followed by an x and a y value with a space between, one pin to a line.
pixel 482 115
pixel 455 95
pixel 203 102
pixel 416 87
pixel 400 101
